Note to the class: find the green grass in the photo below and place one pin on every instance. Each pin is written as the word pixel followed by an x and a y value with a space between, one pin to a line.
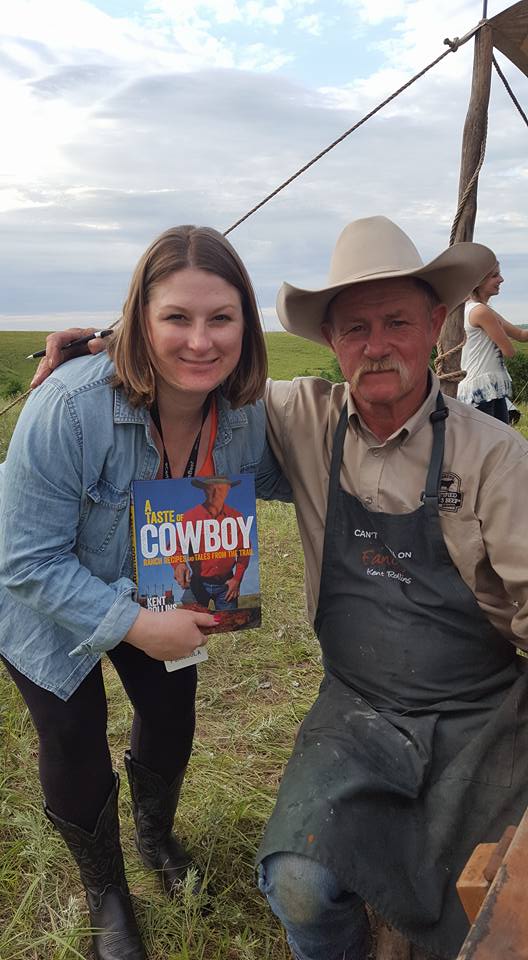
pixel 291 356
pixel 14 348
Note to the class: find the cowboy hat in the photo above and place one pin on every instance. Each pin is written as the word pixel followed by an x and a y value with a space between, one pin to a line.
pixel 204 482
pixel 375 248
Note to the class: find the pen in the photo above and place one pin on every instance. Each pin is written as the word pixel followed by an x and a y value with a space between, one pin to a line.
pixel 73 343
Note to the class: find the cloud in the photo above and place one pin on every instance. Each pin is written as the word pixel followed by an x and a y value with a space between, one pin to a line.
pixel 116 128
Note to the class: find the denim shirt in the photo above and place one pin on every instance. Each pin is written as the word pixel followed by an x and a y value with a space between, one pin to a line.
pixel 66 588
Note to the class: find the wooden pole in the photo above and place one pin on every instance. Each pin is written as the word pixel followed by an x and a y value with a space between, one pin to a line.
pixel 473 143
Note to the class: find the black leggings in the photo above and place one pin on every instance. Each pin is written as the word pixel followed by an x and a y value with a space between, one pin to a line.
pixel 74 760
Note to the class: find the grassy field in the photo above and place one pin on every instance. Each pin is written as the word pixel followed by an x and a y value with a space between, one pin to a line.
pixel 253 693
pixel 288 356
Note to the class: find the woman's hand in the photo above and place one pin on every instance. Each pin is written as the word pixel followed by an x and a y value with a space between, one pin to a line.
pixel 55 355
pixel 170 634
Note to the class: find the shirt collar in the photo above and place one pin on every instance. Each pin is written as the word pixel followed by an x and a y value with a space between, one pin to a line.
pixel 410 427
pixel 229 419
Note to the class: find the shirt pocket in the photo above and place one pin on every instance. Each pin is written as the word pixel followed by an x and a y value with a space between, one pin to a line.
pixel 105 508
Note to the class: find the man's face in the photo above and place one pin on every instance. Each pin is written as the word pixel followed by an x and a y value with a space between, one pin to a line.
pixel 382 333
pixel 215 495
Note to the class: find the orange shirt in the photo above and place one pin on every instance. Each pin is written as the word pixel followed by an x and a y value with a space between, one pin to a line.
pixel 217 566
pixel 208 468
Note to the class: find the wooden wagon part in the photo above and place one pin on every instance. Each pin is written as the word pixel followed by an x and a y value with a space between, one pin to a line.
pixel 492 889
pixel 507 32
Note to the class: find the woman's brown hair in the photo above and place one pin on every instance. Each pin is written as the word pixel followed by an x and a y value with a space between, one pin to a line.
pixel 176 249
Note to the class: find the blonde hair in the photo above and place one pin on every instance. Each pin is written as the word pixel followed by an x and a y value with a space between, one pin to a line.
pixel 475 295
pixel 176 249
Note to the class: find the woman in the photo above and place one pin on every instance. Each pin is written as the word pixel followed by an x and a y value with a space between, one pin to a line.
pixel 173 396
pixel 488 341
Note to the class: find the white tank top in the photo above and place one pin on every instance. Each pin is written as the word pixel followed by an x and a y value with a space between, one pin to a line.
pixel 486 375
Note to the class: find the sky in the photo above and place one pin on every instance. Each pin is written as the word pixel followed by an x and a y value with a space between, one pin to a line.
pixel 121 118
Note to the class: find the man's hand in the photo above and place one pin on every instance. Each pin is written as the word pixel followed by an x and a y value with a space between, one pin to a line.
pixel 55 356
pixel 171 634
pixel 182 575
pixel 233 589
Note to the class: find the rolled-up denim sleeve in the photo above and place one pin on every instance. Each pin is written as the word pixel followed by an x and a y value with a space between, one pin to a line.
pixel 119 618
pixel 40 505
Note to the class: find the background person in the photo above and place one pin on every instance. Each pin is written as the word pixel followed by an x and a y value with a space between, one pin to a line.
pixel 487 383
pixel 189 341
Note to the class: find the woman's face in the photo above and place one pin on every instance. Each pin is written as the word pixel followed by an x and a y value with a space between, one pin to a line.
pixel 195 325
pixel 490 286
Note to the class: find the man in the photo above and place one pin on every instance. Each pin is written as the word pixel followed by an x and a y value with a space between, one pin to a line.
pixel 414 531
pixel 218 578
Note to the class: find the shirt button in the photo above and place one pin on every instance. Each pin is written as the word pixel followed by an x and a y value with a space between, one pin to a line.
pixel 375 453
pixel 368 499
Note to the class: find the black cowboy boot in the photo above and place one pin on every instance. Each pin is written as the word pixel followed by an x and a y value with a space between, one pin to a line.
pixel 154 806
pixel 100 860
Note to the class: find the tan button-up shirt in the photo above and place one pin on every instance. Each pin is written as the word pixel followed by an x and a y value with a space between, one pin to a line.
pixel 483 492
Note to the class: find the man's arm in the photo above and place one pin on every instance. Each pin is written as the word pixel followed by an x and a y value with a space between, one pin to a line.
pixel 271 480
pixel 55 355
pixel 504 523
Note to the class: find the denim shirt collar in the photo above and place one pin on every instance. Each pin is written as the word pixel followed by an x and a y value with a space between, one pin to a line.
pixel 228 419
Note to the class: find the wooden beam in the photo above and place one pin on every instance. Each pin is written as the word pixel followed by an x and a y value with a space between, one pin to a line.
pixel 501 928
pixel 473 141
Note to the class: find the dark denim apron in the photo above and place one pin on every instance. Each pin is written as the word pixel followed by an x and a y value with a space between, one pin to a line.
pixel 416 748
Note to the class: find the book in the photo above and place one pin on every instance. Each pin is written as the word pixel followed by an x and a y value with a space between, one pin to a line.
pixel 195 547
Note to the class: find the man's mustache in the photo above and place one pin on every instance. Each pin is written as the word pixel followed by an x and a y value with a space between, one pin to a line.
pixel 380 366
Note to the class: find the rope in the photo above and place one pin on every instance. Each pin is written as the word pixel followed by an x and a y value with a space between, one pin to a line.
pixel 519 395
pixel 453 375
pixel 470 185
pixel 442 356
pixel 510 91
pixel 15 401
pixel 453 47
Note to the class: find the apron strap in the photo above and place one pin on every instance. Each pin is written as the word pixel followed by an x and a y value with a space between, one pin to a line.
pixel 432 483
pixel 335 467
pixel 332 502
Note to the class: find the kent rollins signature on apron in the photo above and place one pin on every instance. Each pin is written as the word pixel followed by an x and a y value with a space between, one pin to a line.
pixel 416 748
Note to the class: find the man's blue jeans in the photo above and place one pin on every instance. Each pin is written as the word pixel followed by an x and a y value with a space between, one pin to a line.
pixel 322 921
pixel 216 592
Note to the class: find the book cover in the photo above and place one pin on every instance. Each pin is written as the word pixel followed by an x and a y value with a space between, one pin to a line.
pixel 195 546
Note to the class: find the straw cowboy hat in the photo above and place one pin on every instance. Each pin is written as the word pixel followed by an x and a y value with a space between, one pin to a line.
pixel 205 482
pixel 376 249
